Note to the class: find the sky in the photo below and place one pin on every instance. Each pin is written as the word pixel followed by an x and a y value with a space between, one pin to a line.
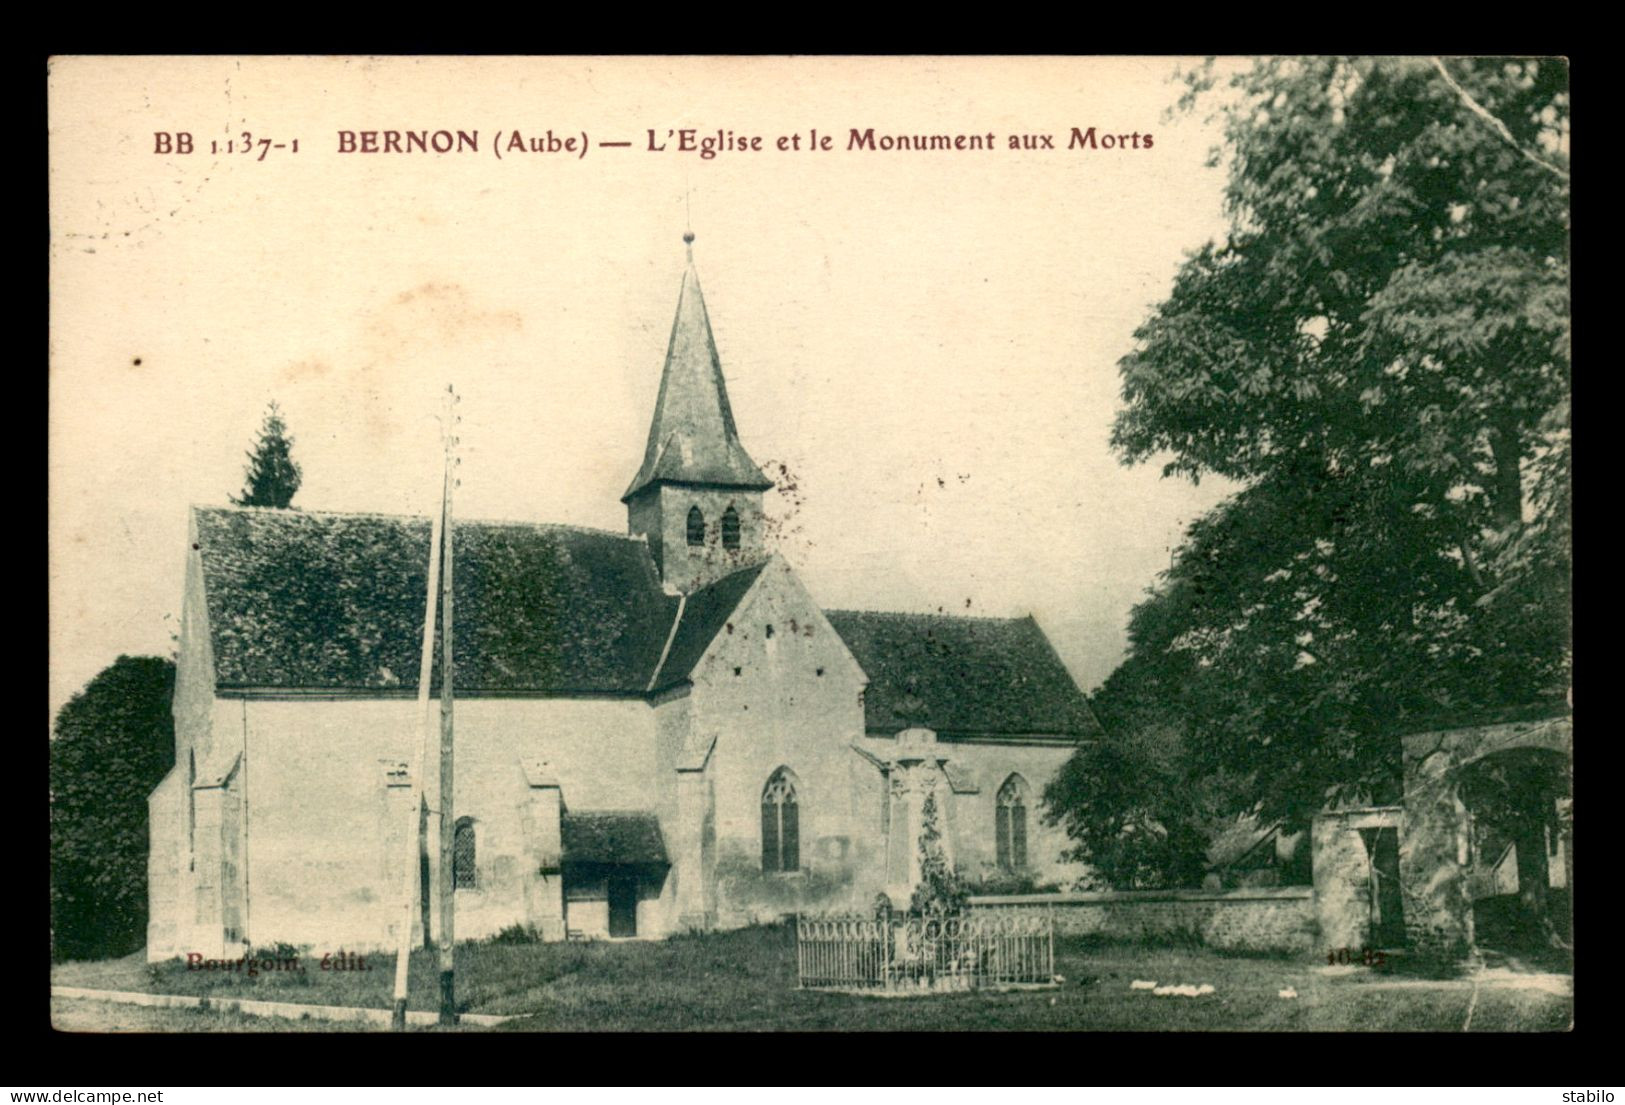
pixel 926 340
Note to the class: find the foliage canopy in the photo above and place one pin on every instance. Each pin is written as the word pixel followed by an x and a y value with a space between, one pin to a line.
pixel 113 742
pixel 1378 352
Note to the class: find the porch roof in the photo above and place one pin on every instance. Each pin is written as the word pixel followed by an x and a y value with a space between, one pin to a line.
pixel 616 837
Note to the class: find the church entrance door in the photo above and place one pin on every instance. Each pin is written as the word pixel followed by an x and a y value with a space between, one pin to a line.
pixel 623 906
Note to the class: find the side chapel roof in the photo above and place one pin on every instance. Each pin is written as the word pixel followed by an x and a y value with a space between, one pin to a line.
pixel 972 676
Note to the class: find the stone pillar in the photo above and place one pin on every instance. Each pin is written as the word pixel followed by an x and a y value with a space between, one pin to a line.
pixel 1341 867
pixel 903 823
pixel 233 899
pixel 1433 857
pixel 1342 904
pixel 693 850
pixel 217 899
pixel 398 823
pixel 166 867
pixel 542 824
pixel 914 772
pixel 206 936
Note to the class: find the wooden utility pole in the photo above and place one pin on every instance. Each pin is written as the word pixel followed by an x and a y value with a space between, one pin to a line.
pixel 448 791
pixel 412 891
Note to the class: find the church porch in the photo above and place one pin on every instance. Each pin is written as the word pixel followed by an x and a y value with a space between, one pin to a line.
pixel 615 870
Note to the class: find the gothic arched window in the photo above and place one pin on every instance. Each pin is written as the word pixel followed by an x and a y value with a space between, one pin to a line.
pixel 696 526
pixel 462 855
pixel 781 823
pixel 730 528
pixel 1011 825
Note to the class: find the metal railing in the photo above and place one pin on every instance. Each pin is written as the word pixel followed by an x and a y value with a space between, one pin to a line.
pixel 931 952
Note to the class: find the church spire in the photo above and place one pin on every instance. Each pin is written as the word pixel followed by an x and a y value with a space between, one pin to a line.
pixel 692 439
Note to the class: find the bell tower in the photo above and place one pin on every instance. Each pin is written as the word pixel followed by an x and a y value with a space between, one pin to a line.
pixel 697 498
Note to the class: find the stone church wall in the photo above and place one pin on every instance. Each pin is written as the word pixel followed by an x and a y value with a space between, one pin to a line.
pixel 973 817
pixel 194 705
pixel 324 859
pixel 166 865
pixel 660 514
pixel 787 700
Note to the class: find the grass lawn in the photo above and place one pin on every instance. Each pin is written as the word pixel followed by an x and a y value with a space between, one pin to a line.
pixel 73 1015
pixel 745 981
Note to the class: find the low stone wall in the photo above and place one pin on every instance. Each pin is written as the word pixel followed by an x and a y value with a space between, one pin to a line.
pixel 1263 919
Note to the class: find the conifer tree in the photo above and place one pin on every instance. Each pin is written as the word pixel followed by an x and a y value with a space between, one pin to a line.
pixel 272 475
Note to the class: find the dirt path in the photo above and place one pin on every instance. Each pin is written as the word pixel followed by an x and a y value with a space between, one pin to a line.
pixel 74 1015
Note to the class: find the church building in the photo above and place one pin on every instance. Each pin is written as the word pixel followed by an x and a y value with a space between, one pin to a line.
pixel 656 731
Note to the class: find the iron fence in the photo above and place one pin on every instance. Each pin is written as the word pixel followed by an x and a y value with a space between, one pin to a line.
pixel 914 952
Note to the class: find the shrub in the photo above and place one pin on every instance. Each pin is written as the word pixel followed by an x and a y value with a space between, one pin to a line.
pixel 281 950
pixel 1186 937
pixel 515 934
pixel 995 882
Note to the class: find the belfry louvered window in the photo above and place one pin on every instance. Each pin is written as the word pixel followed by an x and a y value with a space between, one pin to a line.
pixel 696 526
pixel 730 528
pixel 1011 824
pixel 462 855
pixel 781 824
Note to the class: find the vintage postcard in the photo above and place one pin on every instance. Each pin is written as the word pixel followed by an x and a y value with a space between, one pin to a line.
pixel 549 543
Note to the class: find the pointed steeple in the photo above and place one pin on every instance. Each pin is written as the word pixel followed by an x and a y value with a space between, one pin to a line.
pixel 692 439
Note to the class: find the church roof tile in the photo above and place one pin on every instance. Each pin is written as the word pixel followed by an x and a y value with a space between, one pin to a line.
pixel 306 600
pixel 972 677
pixel 705 614
pixel 612 837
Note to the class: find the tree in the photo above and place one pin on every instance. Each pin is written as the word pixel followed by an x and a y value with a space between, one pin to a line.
pixel 1378 352
pixel 1139 807
pixel 272 475
pixel 113 742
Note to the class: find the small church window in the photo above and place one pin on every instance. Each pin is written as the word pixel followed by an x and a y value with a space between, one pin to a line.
pixel 781 824
pixel 462 855
pixel 730 528
pixel 696 526
pixel 1011 826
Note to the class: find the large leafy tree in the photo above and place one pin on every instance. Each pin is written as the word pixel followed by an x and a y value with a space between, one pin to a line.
pixel 272 477
pixel 113 742
pixel 1378 352
pixel 1139 806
